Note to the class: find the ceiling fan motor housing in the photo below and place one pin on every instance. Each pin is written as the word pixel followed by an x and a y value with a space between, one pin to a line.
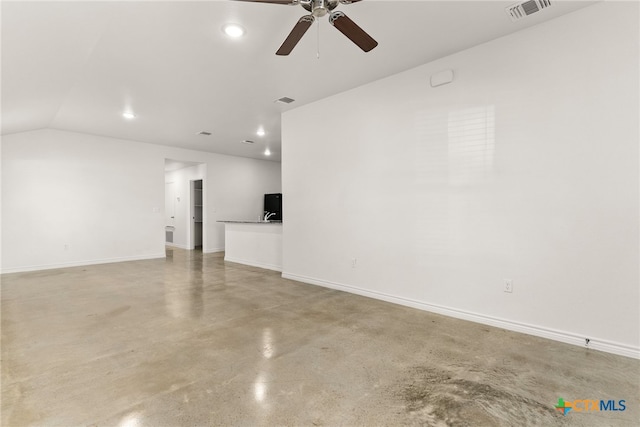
pixel 319 8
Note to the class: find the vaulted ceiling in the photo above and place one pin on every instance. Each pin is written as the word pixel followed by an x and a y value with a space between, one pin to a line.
pixel 78 66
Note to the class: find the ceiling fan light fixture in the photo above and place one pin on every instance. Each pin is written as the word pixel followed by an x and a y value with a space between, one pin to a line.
pixel 233 30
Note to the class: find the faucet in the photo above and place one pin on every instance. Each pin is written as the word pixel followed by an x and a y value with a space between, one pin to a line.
pixel 268 215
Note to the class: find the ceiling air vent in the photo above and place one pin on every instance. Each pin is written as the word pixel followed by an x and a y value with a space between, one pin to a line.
pixel 285 100
pixel 520 10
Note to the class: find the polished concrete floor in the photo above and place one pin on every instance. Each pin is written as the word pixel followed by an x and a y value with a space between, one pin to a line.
pixel 194 341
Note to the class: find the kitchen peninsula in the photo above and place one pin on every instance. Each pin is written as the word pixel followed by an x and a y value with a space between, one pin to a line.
pixel 256 243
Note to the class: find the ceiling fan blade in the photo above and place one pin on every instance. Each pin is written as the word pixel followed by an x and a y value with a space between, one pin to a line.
pixel 285 2
pixel 350 29
pixel 295 35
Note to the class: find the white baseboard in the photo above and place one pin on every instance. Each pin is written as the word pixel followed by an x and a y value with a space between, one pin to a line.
pixel 552 334
pixel 177 245
pixel 80 263
pixel 213 251
pixel 254 263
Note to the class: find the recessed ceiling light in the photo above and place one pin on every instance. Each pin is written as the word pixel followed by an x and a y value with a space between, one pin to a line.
pixel 128 115
pixel 233 30
pixel 267 152
pixel 260 132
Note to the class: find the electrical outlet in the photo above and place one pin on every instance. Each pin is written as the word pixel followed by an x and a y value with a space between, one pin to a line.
pixel 354 261
pixel 508 285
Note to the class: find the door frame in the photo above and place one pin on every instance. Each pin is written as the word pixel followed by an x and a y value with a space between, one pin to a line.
pixel 192 220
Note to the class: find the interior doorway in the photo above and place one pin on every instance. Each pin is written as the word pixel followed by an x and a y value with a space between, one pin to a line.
pixel 169 211
pixel 197 219
pixel 185 214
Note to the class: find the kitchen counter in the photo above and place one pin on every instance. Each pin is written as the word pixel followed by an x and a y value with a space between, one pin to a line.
pixel 255 243
pixel 251 222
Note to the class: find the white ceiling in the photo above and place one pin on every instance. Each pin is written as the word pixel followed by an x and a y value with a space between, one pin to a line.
pixel 78 65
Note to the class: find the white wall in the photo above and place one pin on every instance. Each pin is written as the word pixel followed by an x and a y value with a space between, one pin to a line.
pixel 104 198
pixel 524 168
pixel 69 189
pixel 235 191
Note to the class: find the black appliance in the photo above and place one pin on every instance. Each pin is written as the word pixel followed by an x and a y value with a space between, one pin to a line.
pixel 273 204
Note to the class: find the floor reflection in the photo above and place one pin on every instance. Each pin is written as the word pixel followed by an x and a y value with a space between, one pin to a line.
pixel 259 388
pixel 184 296
pixel 268 346
pixel 131 420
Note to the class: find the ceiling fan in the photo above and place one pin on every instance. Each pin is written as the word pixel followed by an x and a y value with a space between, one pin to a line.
pixel 318 9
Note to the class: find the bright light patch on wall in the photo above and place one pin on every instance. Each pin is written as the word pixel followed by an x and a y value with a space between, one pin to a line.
pixel 233 30
pixel 267 152
pixel 454 155
pixel 128 115
pixel 471 145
